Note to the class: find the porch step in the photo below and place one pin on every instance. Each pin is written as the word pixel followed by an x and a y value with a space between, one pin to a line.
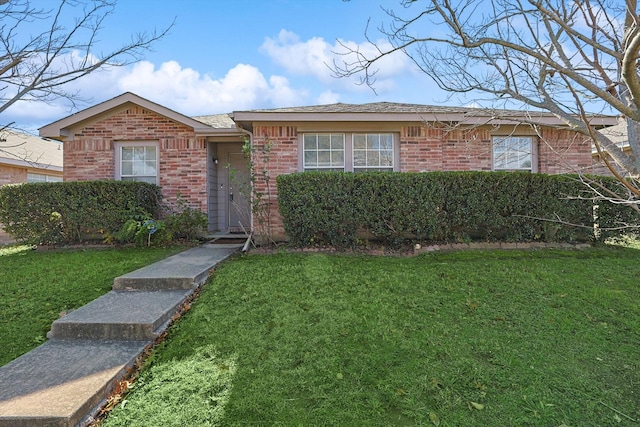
pixel 121 315
pixel 178 271
pixel 61 383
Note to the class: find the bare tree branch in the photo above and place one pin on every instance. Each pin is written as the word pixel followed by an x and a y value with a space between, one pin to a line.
pixel 37 65
pixel 575 59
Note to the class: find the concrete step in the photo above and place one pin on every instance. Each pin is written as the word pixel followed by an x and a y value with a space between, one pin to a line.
pixel 61 383
pixel 121 315
pixel 186 270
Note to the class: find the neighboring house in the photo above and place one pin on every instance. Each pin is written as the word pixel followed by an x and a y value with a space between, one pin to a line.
pixel 201 158
pixel 619 135
pixel 28 158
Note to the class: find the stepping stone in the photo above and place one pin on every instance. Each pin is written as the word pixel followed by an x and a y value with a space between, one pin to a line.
pixel 186 270
pixel 61 383
pixel 121 315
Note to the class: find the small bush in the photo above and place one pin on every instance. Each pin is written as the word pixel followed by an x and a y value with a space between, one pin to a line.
pixel 184 221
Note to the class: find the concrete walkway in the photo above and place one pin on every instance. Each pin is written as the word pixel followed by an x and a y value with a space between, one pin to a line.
pixel 65 381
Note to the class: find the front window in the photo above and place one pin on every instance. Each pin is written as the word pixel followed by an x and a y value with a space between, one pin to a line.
pixel 372 152
pixel 513 153
pixel 138 162
pixel 323 151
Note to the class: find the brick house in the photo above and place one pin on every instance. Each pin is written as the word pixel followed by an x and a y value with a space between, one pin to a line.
pixel 201 158
pixel 28 158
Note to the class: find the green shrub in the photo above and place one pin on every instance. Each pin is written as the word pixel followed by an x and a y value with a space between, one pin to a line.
pixel 336 208
pixel 614 219
pixel 70 212
pixel 184 221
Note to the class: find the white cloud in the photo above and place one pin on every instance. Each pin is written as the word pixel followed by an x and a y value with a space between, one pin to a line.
pixel 315 57
pixel 188 91
pixel 328 97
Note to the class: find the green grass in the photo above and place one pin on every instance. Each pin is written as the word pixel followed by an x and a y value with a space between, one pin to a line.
pixel 495 338
pixel 37 286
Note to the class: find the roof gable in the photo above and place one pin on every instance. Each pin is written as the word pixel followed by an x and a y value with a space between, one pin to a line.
pixel 65 127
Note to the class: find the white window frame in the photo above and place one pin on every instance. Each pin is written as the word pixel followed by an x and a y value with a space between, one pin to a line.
pixel 372 152
pixel 41 177
pixel 349 153
pixel 333 152
pixel 119 146
pixel 531 153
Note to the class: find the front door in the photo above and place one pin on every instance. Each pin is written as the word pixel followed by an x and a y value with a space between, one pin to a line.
pixel 238 193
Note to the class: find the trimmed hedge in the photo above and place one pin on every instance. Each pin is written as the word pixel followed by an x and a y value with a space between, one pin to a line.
pixel 336 209
pixel 65 212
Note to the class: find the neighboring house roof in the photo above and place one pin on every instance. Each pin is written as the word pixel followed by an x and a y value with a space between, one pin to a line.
pixel 398 112
pixel 19 149
pixel 618 133
pixel 64 128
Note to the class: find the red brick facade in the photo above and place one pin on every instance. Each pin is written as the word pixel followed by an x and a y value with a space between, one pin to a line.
pixel 422 149
pixel 182 155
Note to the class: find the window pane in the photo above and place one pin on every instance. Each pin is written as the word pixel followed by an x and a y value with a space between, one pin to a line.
pixel 138 153
pixel 311 158
pixel 373 158
pixel 386 158
pixel 138 168
pixel 127 153
pixel 386 141
pixel 337 142
pixel 337 158
pixel 359 142
pixel 310 142
pixel 324 158
pixel 324 142
pixel 373 142
pixel 359 158
pixel 127 168
pixel 150 168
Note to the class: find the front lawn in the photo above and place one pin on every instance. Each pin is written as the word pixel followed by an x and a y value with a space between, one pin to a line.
pixel 36 287
pixel 478 338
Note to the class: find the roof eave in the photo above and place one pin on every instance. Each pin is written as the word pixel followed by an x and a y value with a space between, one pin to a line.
pixel 247 118
pixel 32 165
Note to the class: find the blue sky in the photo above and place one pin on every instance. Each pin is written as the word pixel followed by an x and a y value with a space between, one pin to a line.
pixel 226 55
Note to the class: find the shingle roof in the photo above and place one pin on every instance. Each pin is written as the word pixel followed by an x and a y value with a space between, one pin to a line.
pixel 390 112
pixel 395 107
pixel 218 121
pixel 374 107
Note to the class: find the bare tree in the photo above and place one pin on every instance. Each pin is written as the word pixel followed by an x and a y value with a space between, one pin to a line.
pixel 42 50
pixel 573 58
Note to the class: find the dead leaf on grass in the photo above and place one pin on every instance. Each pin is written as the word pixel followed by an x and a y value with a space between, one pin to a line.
pixel 434 419
pixel 478 406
